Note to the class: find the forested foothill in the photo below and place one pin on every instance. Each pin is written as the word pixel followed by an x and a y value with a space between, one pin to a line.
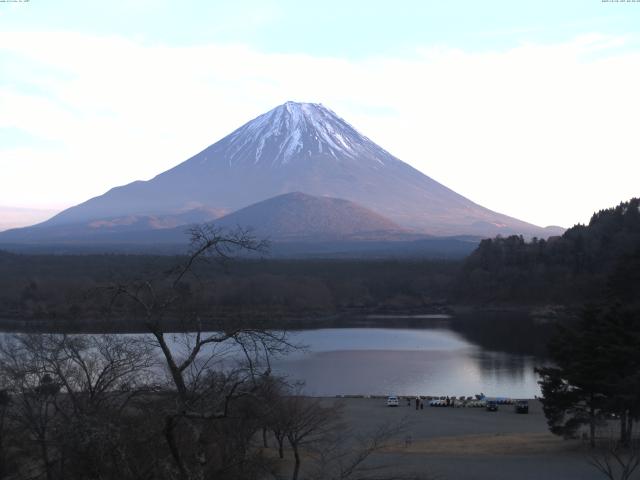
pixel 587 263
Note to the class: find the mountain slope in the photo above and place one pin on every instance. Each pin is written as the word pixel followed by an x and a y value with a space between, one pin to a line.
pixel 129 228
pixel 297 216
pixel 300 147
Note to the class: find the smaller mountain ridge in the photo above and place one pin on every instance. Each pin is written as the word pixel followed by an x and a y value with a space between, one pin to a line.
pixel 125 228
pixel 298 216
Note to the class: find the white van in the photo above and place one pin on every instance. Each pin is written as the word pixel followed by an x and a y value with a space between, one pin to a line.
pixel 392 401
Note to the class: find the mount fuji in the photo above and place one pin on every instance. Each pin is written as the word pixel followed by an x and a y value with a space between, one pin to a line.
pixel 296 147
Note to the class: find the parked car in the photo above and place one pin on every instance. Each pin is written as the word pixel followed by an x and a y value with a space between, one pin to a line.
pixel 492 406
pixel 522 406
pixel 392 401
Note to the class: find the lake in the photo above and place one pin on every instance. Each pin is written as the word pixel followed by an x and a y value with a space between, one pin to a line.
pixel 405 361
pixel 492 353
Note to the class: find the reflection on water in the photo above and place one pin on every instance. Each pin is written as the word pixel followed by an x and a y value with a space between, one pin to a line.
pixel 509 332
pixel 375 361
pixel 421 354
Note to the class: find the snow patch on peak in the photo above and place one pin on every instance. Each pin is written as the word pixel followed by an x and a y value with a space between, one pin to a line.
pixel 296 131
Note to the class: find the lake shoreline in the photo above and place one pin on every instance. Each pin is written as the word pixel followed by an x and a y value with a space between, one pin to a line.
pixel 377 317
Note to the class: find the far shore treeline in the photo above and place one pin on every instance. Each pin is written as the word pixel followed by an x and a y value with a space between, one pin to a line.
pixel 583 265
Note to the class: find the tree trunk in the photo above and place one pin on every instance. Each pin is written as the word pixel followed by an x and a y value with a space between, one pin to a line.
pixel 176 374
pixel 45 458
pixel 171 442
pixel 296 467
pixel 592 425
pixel 280 446
pixel 623 428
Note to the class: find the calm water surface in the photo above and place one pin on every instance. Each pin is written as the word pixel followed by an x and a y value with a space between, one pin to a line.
pixel 427 355
pixel 383 361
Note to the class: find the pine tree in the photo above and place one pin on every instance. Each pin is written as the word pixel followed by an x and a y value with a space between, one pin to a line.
pixel 596 373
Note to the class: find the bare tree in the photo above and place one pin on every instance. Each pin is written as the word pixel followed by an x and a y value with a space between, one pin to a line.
pixel 34 395
pixel 68 393
pixel 94 371
pixel 615 460
pixel 343 455
pixel 278 422
pixel 205 390
pixel 308 420
pixel 315 431
pixel 5 403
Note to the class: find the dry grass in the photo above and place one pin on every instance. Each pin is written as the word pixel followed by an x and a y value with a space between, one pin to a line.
pixel 499 444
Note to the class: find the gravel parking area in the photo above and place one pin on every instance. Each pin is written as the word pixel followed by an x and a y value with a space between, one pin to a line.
pixel 471 443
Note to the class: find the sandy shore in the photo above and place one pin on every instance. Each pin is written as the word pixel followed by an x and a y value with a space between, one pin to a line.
pixel 471 443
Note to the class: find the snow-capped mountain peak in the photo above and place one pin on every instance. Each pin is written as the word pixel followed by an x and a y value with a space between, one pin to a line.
pixel 295 132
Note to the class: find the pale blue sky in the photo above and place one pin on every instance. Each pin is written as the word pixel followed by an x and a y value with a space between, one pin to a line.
pixel 526 107
pixel 354 28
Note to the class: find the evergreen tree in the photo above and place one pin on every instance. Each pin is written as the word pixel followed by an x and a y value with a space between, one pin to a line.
pixel 596 373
